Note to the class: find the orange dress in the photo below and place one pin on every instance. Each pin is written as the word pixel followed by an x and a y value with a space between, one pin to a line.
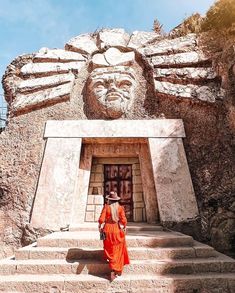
pixel 115 250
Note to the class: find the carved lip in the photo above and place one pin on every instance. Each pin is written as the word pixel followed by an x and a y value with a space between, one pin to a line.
pixel 113 96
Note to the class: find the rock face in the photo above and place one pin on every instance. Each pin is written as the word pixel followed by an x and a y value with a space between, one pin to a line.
pixel 172 78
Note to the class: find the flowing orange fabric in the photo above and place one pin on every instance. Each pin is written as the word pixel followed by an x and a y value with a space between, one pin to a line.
pixel 115 250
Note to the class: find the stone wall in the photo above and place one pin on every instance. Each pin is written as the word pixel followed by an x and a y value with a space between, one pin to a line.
pixel 95 199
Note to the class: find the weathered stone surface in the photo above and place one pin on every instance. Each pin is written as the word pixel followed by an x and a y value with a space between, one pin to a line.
pixel 83 44
pixel 57 184
pixel 139 39
pixel 44 82
pixel 113 57
pixel 58 93
pixel 179 59
pixel 113 37
pixel 118 128
pixel 185 73
pixel 190 91
pixel 171 46
pixel 49 68
pixel 57 55
pixel 176 198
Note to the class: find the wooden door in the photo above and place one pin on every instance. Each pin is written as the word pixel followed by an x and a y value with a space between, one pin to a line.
pixel 119 178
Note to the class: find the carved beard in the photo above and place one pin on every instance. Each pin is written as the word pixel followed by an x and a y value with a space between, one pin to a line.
pixel 114 103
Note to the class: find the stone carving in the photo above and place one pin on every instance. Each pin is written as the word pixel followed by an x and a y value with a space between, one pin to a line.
pixel 180 69
pixel 111 91
pixel 111 86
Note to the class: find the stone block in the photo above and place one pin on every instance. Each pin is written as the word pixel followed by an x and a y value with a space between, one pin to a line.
pixel 136 166
pixel 187 58
pixel 176 198
pixel 115 129
pixel 99 168
pixel 136 172
pixel 137 196
pixel 98 209
pixel 49 67
pixel 170 46
pixel 59 55
pixel 138 215
pixel 57 184
pixel 137 188
pixel 90 199
pixel 99 199
pixel 113 37
pixel 90 207
pixel 44 82
pixel 90 216
pixel 97 215
pixel 138 204
pixel 99 177
pixel 57 93
pixel 186 73
pixel 95 184
pixel 83 44
pixel 137 180
pixel 139 39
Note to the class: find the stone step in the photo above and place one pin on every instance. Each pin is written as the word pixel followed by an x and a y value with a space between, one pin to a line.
pixel 127 283
pixel 219 264
pixel 131 227
pixel 34 252
pixel 140 239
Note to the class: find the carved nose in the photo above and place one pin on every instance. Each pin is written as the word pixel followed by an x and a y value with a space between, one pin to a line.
pixel 112 86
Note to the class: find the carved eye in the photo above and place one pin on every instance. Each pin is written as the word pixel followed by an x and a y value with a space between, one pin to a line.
pixel 99 85
pixel 125 85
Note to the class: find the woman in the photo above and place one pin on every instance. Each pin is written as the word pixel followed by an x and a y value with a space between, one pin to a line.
pixel 115 251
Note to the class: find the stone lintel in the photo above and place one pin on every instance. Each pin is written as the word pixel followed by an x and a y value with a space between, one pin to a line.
pixel 115 128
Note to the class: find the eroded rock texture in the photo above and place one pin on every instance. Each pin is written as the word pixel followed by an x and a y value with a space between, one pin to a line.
pixel 176 78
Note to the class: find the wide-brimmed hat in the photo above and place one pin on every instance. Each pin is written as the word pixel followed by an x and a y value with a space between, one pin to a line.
pixel 113 196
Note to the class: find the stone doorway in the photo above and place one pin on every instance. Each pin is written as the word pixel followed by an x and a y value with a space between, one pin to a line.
pixel 100 183
pixel 162 186
pixel 118 177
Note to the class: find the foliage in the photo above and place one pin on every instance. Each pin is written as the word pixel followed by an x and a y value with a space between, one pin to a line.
pixel 191 24
pixel 157 27
pixel 221 15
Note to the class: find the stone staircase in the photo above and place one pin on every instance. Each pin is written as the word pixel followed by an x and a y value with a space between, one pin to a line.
pixel 161 261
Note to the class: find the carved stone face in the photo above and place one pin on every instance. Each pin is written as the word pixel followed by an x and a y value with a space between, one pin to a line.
pixel 111 92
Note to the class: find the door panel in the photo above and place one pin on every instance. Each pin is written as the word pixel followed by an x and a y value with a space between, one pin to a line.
pixel 119 178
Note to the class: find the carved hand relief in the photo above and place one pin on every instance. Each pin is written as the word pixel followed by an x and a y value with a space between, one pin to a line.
pixel 111 91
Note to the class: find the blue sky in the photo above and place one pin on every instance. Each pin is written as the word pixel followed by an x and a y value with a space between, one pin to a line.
pixel 28 25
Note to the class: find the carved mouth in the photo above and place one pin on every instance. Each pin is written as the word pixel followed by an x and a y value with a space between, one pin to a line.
pixel 113 96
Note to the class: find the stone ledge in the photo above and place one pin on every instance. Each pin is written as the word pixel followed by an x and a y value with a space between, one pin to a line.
pixel 117 128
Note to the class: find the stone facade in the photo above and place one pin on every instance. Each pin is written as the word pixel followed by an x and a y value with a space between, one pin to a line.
pixel 175 79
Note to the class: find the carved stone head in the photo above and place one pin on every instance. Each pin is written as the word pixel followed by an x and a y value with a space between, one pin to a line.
pixel 111 91
pixel 111 85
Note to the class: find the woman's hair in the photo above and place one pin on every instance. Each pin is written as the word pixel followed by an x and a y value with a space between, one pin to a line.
pixel 114 210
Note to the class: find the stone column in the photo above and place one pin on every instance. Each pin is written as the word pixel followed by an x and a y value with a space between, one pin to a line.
pixel 149 191
pixel 57 183
pixel 82 185
pixel 175 194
